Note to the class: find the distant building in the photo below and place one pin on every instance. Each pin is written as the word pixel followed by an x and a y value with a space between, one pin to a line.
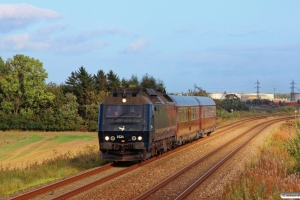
pixel 242 96
pixel 252 96
pixel 295 96
pixel 217 95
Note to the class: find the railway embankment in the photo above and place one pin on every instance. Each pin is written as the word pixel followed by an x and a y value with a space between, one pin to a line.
pixel 273 171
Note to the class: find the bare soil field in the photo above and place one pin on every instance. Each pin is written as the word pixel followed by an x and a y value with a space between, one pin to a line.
pixel 19 149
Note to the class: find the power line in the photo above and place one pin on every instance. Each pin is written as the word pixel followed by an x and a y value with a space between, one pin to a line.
pixel 293 87
pixel 257 88
pixel 293 91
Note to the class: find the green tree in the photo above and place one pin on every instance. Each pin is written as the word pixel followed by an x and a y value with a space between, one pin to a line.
pixel 148 82
pixel 125 83
pixel 68 118
pixel 198 91
pixel 22 85
pixel 134 82
pixel 113 81
pixel 51 117
pixel 1 62
pixel 57 91
pixel 151 82
pixel 218 103
pixel 62 114
pixel 160 86
pixel 233 102
pixel 100 81
pixel 81 84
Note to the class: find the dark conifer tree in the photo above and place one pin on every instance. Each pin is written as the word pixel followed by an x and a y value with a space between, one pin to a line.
pixel 100 81
pixel 81 84
pixel 113 81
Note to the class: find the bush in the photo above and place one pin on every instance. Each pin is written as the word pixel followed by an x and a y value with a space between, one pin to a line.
pixel 19 122
pixel 270 173
pixel 293 147
pixel 286 109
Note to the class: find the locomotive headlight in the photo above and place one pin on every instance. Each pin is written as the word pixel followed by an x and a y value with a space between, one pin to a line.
pixel 112 138
pixel 123 100
pixel 106 138
pixel 133 138
pixel 140 138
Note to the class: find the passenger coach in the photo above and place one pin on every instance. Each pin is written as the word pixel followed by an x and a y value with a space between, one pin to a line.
pixel 196 117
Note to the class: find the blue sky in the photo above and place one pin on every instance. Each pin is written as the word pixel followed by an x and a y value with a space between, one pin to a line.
pixel 217 45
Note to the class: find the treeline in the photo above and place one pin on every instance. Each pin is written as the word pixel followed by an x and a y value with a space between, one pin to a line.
pixel 28 103
pixel 231 103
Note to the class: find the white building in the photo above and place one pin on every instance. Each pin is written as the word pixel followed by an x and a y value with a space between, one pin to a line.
pixel 242 96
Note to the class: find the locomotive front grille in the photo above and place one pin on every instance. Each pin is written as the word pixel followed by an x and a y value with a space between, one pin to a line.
pixel 121 146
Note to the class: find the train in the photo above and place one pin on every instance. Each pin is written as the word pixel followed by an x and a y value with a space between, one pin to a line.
pixel 135 124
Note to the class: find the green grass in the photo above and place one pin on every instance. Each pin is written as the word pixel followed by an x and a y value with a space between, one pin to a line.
pixel 59 166
pixel 13 145
pixel 26 159
pixel 270 173
pixel 70 138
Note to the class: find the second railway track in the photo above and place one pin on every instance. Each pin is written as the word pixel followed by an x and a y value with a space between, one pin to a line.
pixel 182 183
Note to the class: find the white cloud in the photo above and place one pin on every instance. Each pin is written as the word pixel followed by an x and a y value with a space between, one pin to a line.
pixel 25 11
pixel 27 42
pixel 15 16
pixel 21 42
pixel 82 47
pixel 137 45
pixel 91 35
pixel 50 38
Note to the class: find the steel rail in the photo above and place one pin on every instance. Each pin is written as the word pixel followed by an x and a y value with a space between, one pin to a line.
pixel 191 188
pixel 236 124
pixel 103 180
pixel 183 170
pixel 61 183
pixel 242 121
pixel 53 186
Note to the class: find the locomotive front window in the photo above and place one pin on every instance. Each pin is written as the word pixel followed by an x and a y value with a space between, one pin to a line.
pixel 124 111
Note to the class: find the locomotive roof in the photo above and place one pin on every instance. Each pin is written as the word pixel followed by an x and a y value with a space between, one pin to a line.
pixel 191 100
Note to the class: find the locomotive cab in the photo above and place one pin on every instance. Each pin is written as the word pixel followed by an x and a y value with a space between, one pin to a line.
pixel 125 125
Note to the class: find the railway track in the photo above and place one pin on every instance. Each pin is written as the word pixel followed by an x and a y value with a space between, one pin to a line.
pixel 61 183
pixel 167 185
pixel 54 186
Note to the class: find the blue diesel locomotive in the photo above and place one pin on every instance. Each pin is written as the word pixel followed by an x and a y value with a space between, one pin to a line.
pixel 135 124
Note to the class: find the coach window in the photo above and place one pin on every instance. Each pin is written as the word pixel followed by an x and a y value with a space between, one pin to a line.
pixel 193 113
pixel 180 113
pixel 204 112
pixel 186 114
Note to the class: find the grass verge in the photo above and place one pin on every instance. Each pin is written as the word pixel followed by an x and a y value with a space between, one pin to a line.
pixel 273 171
pixel 59 166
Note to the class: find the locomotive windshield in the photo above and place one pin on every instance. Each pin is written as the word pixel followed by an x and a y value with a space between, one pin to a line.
pixel 124 111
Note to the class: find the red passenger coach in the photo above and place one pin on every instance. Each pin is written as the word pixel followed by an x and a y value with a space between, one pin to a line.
pixel 196 117
pixel 207 115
